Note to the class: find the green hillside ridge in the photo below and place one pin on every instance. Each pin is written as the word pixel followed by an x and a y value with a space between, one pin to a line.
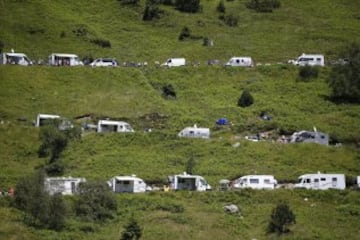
pixel 203 95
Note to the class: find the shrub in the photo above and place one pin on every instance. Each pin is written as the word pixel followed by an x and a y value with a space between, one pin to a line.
pixel 344 79
pixel 308 72
pixel 101 42
pixel 221 7
pixel 191 6
pixel 246 99
pixel 229 20
pixel 168 91
pixel 134 2
pixel 263 5
pixel 281 217
pixel 185 33
pixel 95 201
pixel 132 231
pixel 151 11
pixel 190 164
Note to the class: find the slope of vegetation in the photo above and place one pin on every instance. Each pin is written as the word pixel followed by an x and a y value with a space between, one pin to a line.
pixel 203 94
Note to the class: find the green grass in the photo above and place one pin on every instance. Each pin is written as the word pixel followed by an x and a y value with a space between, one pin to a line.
pixel 204 94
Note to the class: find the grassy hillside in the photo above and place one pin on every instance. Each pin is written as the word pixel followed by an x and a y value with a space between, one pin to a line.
pixel 204 94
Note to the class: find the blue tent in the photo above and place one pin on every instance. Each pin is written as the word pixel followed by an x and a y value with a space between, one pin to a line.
pixel 222 121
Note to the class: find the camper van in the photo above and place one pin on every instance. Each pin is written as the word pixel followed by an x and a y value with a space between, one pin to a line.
pixel 321 181
pixel 240 62
pixel 128 184
pixel 195 132
pixel 62 185
pixel 15 58
pixel 358 181
pixel 174 62
pixel 255 182
pixel 307 136
pixel 113 126
pixel 64 59
pixel 309 60
pixel 41 119
pixel 188 182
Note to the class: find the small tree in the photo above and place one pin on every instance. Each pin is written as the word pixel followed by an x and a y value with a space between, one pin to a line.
pixel 221 7
pixel 281 218
pixel 168 91
pixel 151 11
pixel 263 5
pixel 185 33
pixel 344 79
pixel 191 6
pixel 246 99
pixel 57 213
pixel 131 231
pixel 308 72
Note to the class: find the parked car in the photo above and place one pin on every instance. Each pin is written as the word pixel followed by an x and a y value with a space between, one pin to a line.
pixel 104 62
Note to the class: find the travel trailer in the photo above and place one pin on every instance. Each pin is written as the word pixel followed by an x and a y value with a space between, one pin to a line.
pixel 15 58
pixel 113 126
pixel 64 59
pixel 174 62
pixel 128 184
pixel 308 136
pixel 240 62
pixel 62 185
pixel 41 119
pixel 321 181
pixel 309 60
pixel 195 132
pixel 188 182
pixel 255 182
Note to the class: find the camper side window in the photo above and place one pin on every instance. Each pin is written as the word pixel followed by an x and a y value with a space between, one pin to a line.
pixel 323 179
pixel 334 179
pixel 318 59
pixel 316 180
pixel 307 180
pixel 254 180
pixel 267 181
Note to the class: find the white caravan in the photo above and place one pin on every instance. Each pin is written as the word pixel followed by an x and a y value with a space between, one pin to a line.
pixel 358 181
pixel 15 58
pixel 128 184
pixel 188 182
pixel 309 60
pixel 255 182
pixel 62 185
pixel 41 119
pixel 113 126
pixel 240 62
pixel 321 181
pixel 64 59
pixel 195 132
pixel 308 136
pixel 174 62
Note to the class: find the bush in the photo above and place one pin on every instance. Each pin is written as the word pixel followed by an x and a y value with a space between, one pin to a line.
pixel 263 5
pixel 132 231
pixel 230 20
pixel 308 72
pixel 151 11
pixel 185 33
pixel 221 7
pixel 191 6
pixel 344 79
pixel 95 202
pixel 168 91
pixel 281 217
pixel 246 99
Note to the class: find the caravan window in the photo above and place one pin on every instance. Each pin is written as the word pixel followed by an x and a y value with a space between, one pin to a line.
pixel 307 180
pixel 318 59
pixel 237 61
pixel 267 181
pixel 334 179
pixel 316 180
pixel 254 180
pixel 323 179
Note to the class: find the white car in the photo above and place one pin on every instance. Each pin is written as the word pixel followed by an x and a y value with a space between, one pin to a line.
pixel 104 62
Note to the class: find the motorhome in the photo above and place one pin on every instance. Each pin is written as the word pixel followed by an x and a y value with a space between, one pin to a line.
pixel 309 60
pixel 41 119
pixel 15 58
pixel 321 181
pixel 174 62
pixel 188 182
pixel 62 185
pixel 255 182
pixel 240 62
pixel 64 59
pixel 128 184
pixel 308 136
pixel 195 132
pixel 113 126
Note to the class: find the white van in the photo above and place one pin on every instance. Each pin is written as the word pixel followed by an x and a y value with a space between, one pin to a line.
pixel 62 185
pixel 321 181
pixel 128 184
pixel 240 62
pixel 309 60
pixel 255 182
pixel 174 62
pixel 195 132
pixel 64 59
pixel 113 126
pixel 104 62
pixel 188 182
pixel 15 58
